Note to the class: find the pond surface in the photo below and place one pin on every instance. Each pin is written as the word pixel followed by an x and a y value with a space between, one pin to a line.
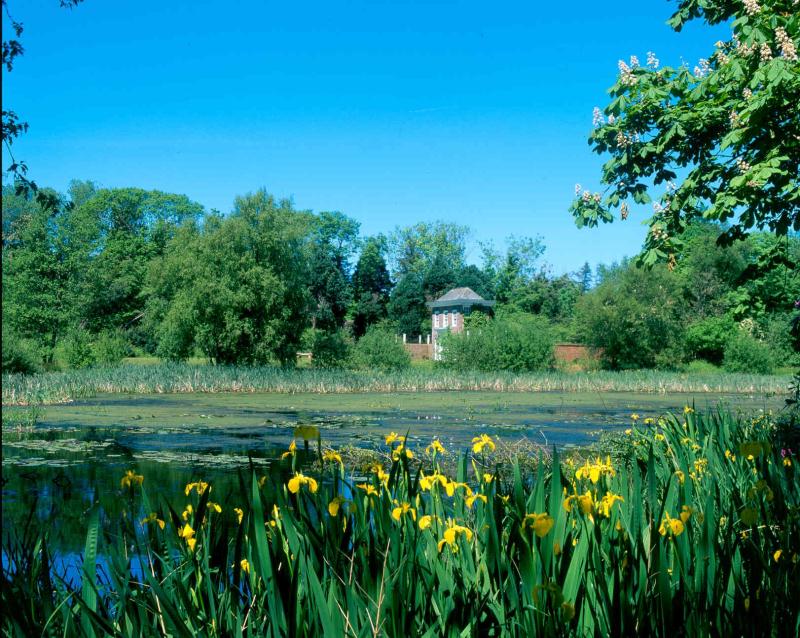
pixel 76 453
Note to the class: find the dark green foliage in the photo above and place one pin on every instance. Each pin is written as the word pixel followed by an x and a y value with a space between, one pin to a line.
pixel 635 316
pixel 518 343
pixel 777 330
pixel 332 241
pixel 235 287
pixel 371 286
pixel 329 349
pixel 110 348
pixel 745 353
pixel 77 349
pixel 20 356
pixel 379 349
pixel 407 305
pixel 707 339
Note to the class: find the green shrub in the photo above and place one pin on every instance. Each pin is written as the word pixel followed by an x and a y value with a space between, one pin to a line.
pixel 380 350
pixel 519 343
pixel 77 349
pixel 635 316
pixel 700 366
pixel 777 331
pixel 745 353
pixel 707 338
pixel 20 356
pixel 329 349
pixel 111 348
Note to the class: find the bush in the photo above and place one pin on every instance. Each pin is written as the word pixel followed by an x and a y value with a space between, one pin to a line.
pixel 519 343
pixel 777 330
pixel 20 356
pixel 329 349
pixel 380 350
pixel 700 366
pixel 111 348
pixel 745 353
pixel 706 339
pixel 634 315
pixel 77 349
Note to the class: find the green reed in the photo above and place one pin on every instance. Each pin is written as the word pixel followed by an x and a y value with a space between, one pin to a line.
pixel 691 530
pixel 55 387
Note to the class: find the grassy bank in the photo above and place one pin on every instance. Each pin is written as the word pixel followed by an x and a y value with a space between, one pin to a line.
pixel 56 387
pixel 691 529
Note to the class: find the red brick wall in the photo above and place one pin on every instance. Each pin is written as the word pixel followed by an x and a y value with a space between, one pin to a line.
pixel 569 352
pixel 419 350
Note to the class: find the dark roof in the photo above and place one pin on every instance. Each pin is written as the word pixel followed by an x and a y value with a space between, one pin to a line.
pixel 459 297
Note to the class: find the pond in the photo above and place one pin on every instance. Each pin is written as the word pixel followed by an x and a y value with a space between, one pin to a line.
pixel 77 452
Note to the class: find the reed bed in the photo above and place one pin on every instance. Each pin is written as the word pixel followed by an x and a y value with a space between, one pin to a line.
pixel 691 531
pixel 57 387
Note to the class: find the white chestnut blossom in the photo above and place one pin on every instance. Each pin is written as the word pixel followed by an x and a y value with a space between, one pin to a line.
pixel 652 60
pixel 627 76
pixel 751 7
pixel 788 49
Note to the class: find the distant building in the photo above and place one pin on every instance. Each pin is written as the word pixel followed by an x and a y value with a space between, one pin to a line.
pixel 449 310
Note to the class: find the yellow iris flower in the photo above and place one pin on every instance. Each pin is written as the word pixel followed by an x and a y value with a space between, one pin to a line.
pixel 672 526
pixel 482 441
pixel 332 456
pixel 199 487
pixel 541 524
pixel 299 480
pixel 451 535
pixel 291 452
pixel 404 509
pixel 435 448
pixel 130 479
pixel 335 505
pixel 152 518
pixel 368 488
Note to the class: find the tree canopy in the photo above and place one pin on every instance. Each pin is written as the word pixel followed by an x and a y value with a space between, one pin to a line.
pixel 718 142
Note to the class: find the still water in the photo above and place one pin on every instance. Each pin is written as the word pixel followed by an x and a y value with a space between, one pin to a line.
pixel 76 453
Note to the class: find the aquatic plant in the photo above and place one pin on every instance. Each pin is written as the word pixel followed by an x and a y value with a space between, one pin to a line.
pixel 55 387
pixel 692 529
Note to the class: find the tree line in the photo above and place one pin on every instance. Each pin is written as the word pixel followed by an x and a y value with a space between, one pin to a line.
pixel 94 275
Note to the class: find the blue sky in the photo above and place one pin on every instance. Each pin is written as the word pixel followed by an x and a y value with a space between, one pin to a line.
pixel 391 112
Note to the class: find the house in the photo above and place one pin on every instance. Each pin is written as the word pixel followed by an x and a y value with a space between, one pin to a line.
pixel 449 310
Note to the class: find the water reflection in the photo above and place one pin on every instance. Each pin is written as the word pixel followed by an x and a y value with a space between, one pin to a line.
pixel 74 458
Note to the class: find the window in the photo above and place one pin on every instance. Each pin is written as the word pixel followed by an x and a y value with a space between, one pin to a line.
pixel 436 320
pixel 455 319
pixel 445 319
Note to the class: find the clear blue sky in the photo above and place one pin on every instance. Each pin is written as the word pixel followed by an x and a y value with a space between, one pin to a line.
pixel 391 112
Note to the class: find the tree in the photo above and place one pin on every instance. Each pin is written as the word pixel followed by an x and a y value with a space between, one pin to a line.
pixel 129 227
pixel 39 270
pixel 371 286
pixel 407 305
pixel 584 277
pixel 413 249
pixel 516 268
pixel 635 316
pixel 720 142
pixel 235 287
pixel 333 241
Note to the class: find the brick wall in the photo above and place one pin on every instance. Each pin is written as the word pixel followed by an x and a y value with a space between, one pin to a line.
pixel 419 350
pixel 568 352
